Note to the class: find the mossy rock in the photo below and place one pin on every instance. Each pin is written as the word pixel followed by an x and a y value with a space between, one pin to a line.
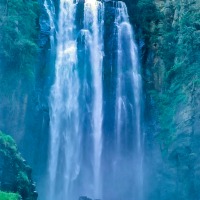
pixel 16 174
pixel 9 196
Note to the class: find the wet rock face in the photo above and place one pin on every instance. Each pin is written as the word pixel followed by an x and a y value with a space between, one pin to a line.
pixel 84 198
pixel 175 104
pixel 45 29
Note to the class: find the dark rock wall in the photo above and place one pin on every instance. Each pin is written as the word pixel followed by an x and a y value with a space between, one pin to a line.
pixel 171 76
pixel 24 99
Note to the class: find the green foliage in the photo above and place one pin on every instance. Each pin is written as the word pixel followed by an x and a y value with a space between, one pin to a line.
pixel 146 12
pixel 174 39
pixel 23 183
pixel 7 145
pixel 18 36
pixel 179 50
pixel 9 196
pixel 15 164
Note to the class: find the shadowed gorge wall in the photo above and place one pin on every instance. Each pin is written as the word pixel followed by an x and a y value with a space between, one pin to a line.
pixel 171 78
pixel 18 54
pixel 24 79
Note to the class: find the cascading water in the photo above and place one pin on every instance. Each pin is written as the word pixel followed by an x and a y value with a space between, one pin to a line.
pixel 95 115
pixel 122 143
pixel 74 93
pixel 128 98
pixel 93 21
pixel 65 136
pixel 51 14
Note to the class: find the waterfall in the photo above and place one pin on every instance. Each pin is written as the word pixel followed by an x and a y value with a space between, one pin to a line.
pixel 93 21
pixel 128 102
pixel 64 116
pixel 95 104
pixel 50 9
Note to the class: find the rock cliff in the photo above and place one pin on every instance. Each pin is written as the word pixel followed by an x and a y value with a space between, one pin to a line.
pixel 15 174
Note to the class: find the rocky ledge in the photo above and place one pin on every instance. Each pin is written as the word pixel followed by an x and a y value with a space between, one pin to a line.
pixel 15 174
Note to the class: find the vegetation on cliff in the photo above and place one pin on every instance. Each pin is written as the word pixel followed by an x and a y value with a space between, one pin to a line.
pixel 171 57
pixel 15 173
pixel 18 35
pixel 9 196
pixel 18 39
pixel 19 30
